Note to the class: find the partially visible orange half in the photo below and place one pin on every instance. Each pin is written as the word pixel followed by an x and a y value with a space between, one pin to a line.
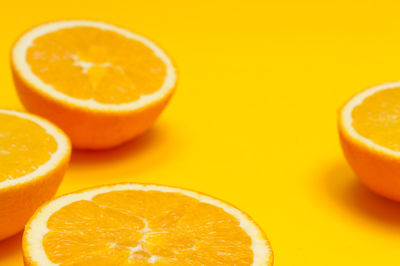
pixel 34 155
pixel 103 85
pixel 369 128
pixel 138 224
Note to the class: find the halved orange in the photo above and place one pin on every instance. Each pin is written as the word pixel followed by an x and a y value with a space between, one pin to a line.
pixel 369 128
pixel 103 85
pixel 34 155
pixel 138 224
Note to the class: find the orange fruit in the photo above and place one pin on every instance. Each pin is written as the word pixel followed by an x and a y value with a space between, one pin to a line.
pixel 138 224
pixel 34 155
pixel 369 129
pixel 101 84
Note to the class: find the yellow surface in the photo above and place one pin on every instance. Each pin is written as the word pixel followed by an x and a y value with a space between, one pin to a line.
pixel 254 117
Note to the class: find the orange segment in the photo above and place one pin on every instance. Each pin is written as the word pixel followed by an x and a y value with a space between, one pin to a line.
pixel 34 155
pixel 24 146
pixel 86 227
pixel 169 227
pixel 378 118
pixel 134 224
pixel 91 63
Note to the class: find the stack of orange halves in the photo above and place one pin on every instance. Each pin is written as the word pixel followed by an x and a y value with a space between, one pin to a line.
pixel 97 86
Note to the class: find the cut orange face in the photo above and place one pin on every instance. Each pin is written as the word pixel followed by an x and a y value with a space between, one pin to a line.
pixel 101 84
pixel 369 127
pixel 133 224
pixel 34 155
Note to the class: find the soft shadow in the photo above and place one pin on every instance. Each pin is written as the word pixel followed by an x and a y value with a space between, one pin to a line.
pixel 345 188
pixel 128 162
pixel 10 247
pixel 152 138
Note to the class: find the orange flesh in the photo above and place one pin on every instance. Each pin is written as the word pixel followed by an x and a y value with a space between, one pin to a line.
pixel 145 228
pixel 378 118
pixel 24 146
pixel 90 63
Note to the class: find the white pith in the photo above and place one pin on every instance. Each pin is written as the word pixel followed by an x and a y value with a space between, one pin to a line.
pixel 19 60
pixel 56 157
pixel 347 118
pixel 38 226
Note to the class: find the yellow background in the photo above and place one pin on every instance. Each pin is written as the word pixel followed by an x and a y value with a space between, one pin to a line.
pixel 254 118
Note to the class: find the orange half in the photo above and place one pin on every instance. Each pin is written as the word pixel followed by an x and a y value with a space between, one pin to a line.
pixel 34 155
pixel 369 128
pixel 134 224
pixel 100 83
